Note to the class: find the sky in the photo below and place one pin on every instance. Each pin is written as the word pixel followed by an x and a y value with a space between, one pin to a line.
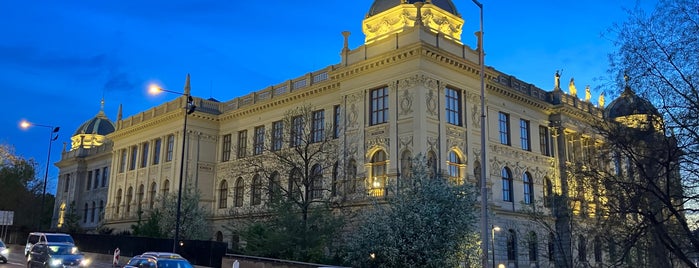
pixel 59 59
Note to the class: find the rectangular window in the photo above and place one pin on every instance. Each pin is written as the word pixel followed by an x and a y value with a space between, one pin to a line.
pixel 156 151
pixel 242 143
pixel 524 136
pixel 296 134
pixel 453 106
pixel 259 140
pixel 336 121
pixel 122 165
pixel 134 157
pixel 96 182
pixel 89 180
pixel 379 106
pixel 105 176
pixel 226 150
pixel 277 135
pixel 144 155
pixel 544 141
pixel 504 122
pixel 318 127
pixel 170 147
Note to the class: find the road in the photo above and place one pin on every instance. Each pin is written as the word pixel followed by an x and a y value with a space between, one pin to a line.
pixel 17 259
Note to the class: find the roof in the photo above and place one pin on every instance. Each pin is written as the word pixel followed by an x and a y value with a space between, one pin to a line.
pixel 382 5
pixel 629 104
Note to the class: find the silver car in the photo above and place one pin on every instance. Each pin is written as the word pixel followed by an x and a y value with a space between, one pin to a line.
pixel 4 252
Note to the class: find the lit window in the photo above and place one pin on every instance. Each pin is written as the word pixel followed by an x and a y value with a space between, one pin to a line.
pixel 378 174
pixel 454 166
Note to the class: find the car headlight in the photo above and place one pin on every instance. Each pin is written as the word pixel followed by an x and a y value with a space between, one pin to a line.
pixel 56 262
pixel 74 250
pixel 5 252
pixel 85 262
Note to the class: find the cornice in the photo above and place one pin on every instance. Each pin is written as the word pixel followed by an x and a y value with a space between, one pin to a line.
pixel 150 123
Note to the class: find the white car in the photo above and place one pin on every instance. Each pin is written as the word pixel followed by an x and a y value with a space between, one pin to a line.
pixel 4 252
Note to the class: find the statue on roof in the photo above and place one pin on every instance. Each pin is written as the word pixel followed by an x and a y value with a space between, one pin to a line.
pixel 588 94
pixel 571 87
pixel 600 101
pixel 557 80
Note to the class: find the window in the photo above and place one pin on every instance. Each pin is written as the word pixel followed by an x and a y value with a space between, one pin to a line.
pixel 582 249
pixel 144 155
pixel 528 188
pixel 226 151
pixel 275 190
pixel 544 144
pixel 316 182
pixel 453 106
pixel 89 180
pixel 296 131
pixel 134 157
pixel 295 177
pixel 318 126
pixel 277 135
pixel 96 180
pixel 454 167
pixel 122 167
pixel 105 176
pixel 223 194
pixel 166 188
pixel 156 151
pixel 67 185
pixel 598 249
pixel 378 174
pixel 335 179
pixel 118 201
pixel 507 194
pixel 379 106
pixel 504 122
pixel 524 136
pixel 258 145
pixel 139 197
pixel 170 147
pixel 151 195
pixel 512 245
pixel 239 192
pixel 242 143
pixel 129 198
pixel 256 191
pixel 336 121
pixel 533 246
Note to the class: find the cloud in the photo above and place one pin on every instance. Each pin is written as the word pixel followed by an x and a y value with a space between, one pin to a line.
pixel 119 81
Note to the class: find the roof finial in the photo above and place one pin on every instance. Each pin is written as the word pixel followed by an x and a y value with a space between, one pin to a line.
pixel 119 112
pixel 187 88
pixel 418 17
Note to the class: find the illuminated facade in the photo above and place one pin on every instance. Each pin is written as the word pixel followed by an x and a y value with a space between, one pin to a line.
pixel 412 88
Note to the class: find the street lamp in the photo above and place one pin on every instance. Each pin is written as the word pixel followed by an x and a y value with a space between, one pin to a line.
pixel 53 135
pixel 189 109
pixel 494 229
pixel 484 189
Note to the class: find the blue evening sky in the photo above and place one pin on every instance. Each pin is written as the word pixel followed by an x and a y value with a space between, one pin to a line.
pixel 58 59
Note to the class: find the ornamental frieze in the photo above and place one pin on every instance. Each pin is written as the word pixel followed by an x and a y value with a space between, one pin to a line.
pixel 406 142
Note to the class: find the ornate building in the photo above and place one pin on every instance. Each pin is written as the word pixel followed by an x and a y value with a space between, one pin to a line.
pixel 412 88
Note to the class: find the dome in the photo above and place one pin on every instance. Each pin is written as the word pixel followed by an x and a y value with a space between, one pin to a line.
pixel 100 125
pixel 383 5
pixel 629 104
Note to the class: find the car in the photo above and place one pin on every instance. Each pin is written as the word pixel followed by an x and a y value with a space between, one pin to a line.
pixel 158 260
pixel 4 252
pixel 56 254
pixel 36 237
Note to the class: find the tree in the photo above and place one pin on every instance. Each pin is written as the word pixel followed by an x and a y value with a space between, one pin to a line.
pixel 193 217
pixel 429 222
pixel 291 164
pixel 658 52
pixel 151 226
pixel 20 188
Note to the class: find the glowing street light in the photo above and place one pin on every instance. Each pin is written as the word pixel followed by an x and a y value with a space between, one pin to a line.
pixel 189 109
pixel 53 135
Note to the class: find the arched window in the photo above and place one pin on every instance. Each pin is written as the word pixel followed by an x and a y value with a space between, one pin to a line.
pixel 219 236
pixel 85 214
pixel 223 194
pixel 239 192
pixel 533 246
pixel 598 249
pixel 336 174
pixel 507 194
pixel 295 177
pixel 118 202
pixel 432 164
pixel 406 164
pixel 512 246
pixel 275 188
pixel 582 249
pixel 166 188
pixel 351 180
pixel 129 199
pixel 316 182
pixel 454 167
pixel 92 213
pixel 378 174
pixel 139 197
pixel 151 195
pixel 528 188
pixel 256 190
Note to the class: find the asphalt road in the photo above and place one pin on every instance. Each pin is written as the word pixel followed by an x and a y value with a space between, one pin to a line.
pixel 17 259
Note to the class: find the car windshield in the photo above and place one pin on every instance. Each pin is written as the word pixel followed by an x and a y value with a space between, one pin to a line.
pixel 174 264
pixel 60 238
pixel 62 250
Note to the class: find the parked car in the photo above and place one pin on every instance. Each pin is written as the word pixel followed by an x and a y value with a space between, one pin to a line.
pixel 56 254
pixel 4 252
pixel 158 260
pixel 36 237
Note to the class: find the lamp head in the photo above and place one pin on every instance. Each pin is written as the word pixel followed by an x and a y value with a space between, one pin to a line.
pixel 24 124
pixel 154 89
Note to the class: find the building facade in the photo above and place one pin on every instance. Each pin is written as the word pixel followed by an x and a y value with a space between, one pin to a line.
pixel 412 88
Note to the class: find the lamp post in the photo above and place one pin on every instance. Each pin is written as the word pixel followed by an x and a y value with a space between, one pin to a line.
pixel 53 135
pixel 188 109
pixel 484 189
pixel 494 229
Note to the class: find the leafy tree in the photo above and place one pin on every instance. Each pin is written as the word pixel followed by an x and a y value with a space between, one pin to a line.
pixel 20 188
pixel 151 226
pixel 430 222
pixel 193 217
